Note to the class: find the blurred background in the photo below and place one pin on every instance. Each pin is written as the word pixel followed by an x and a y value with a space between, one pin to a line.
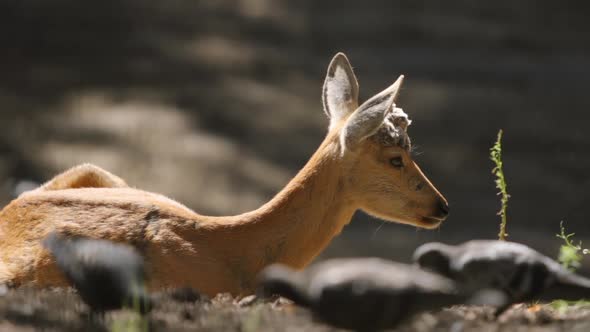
pixel 217 103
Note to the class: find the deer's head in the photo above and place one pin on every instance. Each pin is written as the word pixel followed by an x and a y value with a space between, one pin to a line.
pixel 381 175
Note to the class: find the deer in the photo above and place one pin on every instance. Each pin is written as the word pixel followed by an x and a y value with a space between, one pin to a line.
pixel 364 163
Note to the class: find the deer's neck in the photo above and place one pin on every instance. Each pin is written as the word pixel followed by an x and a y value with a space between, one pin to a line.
pixel 301 220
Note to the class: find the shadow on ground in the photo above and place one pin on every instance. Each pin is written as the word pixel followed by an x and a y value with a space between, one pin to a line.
pixel 27 309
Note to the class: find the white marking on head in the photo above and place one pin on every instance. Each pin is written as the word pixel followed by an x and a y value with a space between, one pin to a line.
pixel 394 131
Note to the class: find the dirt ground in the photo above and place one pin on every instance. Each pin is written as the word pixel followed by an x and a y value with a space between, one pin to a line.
pixel 59 310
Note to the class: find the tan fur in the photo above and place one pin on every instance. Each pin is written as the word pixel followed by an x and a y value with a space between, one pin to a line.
pixel 217 254
pixel 83 176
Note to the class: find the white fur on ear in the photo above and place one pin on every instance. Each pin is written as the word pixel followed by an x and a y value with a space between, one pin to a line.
pixel 341 90
pixel 369 117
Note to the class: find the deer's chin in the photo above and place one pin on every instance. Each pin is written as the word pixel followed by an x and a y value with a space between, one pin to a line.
pixel 418 221
pixel 429 222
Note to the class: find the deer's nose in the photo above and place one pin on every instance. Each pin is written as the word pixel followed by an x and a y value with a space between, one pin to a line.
pixel 443 207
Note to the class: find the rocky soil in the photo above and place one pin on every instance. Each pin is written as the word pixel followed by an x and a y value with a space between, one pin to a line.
pixel 59 310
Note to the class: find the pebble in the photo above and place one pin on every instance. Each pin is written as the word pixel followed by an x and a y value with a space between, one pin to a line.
pixel 247 301
pixel 222 298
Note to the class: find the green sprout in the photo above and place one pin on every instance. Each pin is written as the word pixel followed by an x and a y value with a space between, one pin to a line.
pixel 252 322
pixel 135 322
pixel 562 306
pixel 570 257
pixel 496 157
pixel 570 254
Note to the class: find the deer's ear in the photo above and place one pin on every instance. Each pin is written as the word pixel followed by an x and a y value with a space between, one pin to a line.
pixel 369 117
pixel 341 90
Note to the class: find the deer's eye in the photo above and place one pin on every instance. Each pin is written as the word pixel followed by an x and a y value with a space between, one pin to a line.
pixel 396 162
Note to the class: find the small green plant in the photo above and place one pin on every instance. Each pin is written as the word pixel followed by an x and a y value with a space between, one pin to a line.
pixel 561 306
pixel 570 257
pixel 253 320
pixel 130 323
pixel 134 321
pixel 570 254
pixel 498 171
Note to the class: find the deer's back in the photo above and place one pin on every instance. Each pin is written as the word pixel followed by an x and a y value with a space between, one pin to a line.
pixel 121 215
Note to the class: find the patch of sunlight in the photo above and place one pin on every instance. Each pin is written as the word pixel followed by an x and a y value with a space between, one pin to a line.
pixel 157 147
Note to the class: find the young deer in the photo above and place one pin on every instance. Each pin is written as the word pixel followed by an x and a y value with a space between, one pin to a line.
pixel 363 163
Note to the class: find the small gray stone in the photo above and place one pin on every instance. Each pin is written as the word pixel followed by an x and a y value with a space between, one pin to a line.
pixel 247 301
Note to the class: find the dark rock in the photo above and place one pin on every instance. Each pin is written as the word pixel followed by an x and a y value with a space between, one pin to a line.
pixel 522 273
pixel 107 276
pixel 361 294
